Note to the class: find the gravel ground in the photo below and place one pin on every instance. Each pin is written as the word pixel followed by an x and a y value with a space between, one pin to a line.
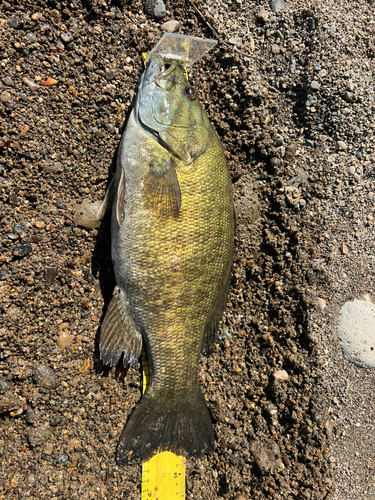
pixel 291 96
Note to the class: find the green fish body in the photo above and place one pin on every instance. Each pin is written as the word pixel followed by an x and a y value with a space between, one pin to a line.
pixel 172 248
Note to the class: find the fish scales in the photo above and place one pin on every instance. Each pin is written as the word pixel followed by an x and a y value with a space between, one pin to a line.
pixel 172 247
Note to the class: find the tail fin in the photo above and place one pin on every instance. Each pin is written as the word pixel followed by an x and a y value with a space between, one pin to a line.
pixel 184 428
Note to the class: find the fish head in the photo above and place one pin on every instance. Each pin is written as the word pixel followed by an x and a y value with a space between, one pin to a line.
pixel 168 108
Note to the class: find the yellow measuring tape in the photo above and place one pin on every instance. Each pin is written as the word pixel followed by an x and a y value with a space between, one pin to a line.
pixel 163 477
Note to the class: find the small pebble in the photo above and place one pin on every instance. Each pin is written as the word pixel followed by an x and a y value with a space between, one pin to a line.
pixel 55 167
pixel 22 250
pixel 315 85
pixel 263 16
pixel 30 416
pixel 56 420
pixel 45 377
pixel 227 333
pixel 234 458
pixel 277 5
pixel 39 435
pixel 65 337
pixel 40 224
pixel 51 273
pixel 292 66
pixel 14 22
pixel 351 170
pixel 66 37
pixel 73 443
pixel 8 402
pixel 275 161
pixel 103 111
pixel 30 37
pixel 311 100
pixel 8 82
pixel 5 96
pixel 345 111
pixel 309 143
pixel 14 482
pixel 170 26
pixel 281 375
pixel 32 85
pixel 111 74
pixel 321 303
pixel 342 145
pixel 48 449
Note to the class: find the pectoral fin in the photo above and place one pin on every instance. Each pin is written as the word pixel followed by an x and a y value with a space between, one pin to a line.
pixel 120 203
pixel 108 199
pixel 163 190
pixel 119 334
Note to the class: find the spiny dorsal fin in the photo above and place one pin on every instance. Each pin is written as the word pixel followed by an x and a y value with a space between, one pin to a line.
pixel 162 189
pixel 118 333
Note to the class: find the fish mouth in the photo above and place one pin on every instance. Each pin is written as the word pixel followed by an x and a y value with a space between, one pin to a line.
pixel 164 80
pixel 159 72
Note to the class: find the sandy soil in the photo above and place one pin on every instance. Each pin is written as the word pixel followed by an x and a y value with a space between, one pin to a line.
pixel 291 97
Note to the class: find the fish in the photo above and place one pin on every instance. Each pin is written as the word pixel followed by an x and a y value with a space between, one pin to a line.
pixel 172 238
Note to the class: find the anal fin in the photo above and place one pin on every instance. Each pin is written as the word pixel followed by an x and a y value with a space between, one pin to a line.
pixel 119 334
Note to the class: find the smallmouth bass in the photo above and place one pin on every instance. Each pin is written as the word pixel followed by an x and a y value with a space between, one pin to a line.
pixel 172 248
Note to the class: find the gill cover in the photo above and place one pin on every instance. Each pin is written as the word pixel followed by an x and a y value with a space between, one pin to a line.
pixel 168 111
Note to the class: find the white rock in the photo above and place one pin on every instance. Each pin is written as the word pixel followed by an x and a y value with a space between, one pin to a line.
pixel 342 145
pixel 85 214
pixel 277 5
pixel 322 304
pixel 281 375
pixel 170 26
pixel 356 331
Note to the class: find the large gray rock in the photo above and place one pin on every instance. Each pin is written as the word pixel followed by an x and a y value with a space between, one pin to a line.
pixel 156 8
pixel 356 331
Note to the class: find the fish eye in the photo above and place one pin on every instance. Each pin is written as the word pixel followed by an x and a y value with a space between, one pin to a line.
pixel 190 93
